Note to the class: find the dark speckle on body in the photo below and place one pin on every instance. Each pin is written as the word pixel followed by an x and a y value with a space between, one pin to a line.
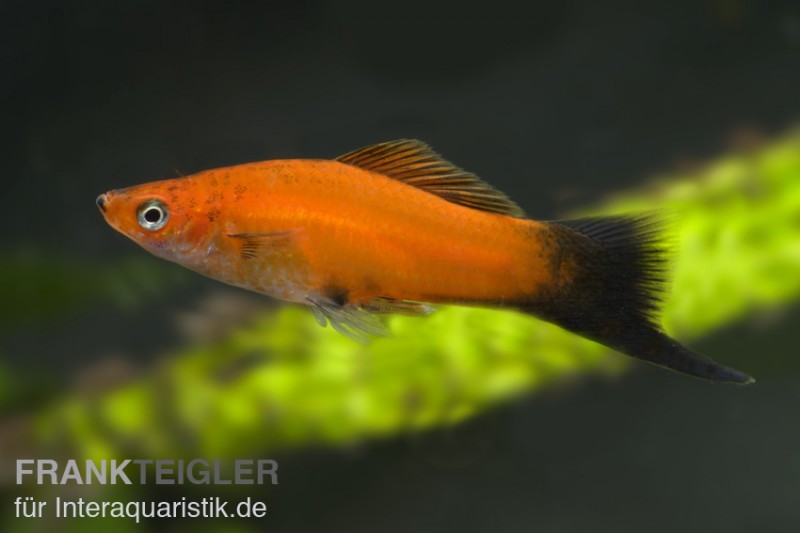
pixel 239 191
pixel 337 294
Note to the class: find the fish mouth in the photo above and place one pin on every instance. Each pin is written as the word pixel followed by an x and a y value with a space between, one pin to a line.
pixel 101 202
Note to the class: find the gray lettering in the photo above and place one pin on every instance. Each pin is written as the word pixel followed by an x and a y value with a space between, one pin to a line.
pixel 22 471
pixel 204 475
pixel 118 471
pixel 52 466
pixel 163 469
pixel 142 464
pixel 93 473
pixel 267 467
pixel 218 480
pixel 244 466
pixel 71 473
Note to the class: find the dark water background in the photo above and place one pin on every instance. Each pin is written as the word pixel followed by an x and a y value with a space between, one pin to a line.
pixel 556 103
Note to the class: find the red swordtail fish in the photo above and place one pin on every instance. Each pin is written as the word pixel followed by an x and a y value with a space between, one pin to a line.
pixel 393 227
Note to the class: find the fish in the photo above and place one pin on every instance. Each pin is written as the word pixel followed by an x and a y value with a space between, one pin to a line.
pixel 394 228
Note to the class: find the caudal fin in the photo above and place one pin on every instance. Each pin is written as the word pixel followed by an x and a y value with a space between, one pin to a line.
pixel 613 278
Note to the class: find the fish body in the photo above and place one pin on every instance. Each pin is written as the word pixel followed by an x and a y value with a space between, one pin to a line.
pixel 324 226
pixel 393 227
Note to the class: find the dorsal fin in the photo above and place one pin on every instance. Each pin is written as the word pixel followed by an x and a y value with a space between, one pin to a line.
pixel 415 163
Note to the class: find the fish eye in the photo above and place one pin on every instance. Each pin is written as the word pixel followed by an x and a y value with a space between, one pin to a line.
pixel 152 215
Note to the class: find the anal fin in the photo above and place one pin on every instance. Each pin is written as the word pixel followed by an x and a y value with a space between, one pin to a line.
pixel 391 306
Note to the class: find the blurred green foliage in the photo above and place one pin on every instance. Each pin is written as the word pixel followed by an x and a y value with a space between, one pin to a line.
pixel 737 227
pixel 282 382
pixel 285 382
pixel 47 286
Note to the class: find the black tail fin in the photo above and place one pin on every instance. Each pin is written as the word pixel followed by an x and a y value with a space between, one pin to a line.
pixel 615 273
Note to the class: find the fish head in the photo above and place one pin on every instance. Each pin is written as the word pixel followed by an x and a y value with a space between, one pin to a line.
pixel 161 217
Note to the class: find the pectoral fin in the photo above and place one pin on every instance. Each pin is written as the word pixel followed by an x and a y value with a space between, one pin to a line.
pixel 255 244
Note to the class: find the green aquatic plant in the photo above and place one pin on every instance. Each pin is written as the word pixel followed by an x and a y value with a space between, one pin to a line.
pixel 737 229
pixel 282 382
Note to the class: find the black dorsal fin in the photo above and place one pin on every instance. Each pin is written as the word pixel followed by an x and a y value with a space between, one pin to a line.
pixel 415 163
